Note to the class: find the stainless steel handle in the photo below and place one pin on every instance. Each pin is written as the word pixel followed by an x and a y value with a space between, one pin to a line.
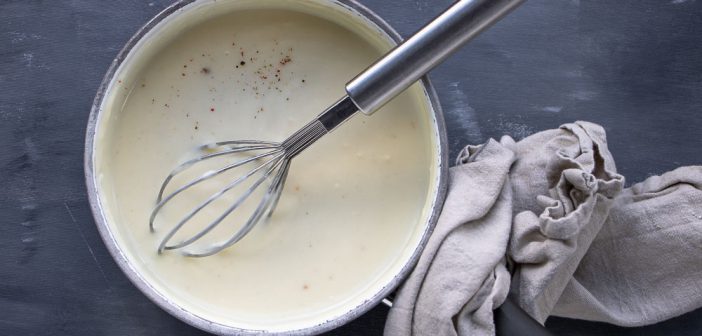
pixel 428 47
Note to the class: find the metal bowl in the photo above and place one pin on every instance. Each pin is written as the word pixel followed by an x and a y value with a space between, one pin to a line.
pixel 439 133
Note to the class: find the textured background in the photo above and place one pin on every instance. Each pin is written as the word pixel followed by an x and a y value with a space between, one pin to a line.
pixel 634 66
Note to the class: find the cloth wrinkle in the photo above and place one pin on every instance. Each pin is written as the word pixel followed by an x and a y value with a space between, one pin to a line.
pixel 578 244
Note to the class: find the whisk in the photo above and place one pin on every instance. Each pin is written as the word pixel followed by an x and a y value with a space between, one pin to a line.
pixel 366 93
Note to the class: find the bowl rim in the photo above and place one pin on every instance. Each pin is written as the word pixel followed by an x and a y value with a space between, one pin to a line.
pixel 200 322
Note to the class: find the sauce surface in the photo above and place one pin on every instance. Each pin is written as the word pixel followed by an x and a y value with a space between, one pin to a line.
pixel 354 203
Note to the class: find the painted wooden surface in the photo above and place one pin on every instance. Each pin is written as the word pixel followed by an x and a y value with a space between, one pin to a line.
pixel 634 66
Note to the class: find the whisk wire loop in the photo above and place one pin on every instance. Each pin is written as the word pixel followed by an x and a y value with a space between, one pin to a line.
pixel 273 163
pixel 208 175
pixel 273 193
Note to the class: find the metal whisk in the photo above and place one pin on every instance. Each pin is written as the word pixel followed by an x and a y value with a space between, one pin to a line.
pixel 370 90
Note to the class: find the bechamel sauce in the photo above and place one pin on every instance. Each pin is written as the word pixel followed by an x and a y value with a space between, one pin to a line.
pixel 354 205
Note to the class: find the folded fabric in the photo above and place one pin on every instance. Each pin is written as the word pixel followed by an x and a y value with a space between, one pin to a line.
pixel 564 184
pixel 645 265
pixel 461 277
pixel 552 206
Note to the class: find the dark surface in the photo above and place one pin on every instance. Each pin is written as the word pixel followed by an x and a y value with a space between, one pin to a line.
pixel 511 320
pixel 633 66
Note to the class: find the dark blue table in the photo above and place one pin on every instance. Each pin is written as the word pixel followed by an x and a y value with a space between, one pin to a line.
pixel 634 66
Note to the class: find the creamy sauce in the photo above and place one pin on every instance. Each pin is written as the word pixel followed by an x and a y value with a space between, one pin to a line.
pixel 354 205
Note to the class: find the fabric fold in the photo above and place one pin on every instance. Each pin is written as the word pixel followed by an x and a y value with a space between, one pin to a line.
pixel 461 277
pixel 566 181
pixel 645 265
pixel 552 207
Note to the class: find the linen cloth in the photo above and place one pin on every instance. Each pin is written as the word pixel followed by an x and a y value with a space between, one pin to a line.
pixel 645 265
pixel 552 207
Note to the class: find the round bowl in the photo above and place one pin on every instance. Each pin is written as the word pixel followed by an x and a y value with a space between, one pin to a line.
pixel 121 84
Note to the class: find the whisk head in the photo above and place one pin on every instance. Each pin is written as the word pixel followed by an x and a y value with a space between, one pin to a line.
pixel 270 162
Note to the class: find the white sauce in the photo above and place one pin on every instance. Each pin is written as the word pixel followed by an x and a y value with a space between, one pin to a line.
pixel 354 205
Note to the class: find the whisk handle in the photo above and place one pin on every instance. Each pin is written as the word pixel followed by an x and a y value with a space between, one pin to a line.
pixel 428 47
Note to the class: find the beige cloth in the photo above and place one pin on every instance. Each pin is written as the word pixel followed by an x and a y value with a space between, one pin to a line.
pixel 460 279
pixel 645 265
pixel 542 203
pixel 564 182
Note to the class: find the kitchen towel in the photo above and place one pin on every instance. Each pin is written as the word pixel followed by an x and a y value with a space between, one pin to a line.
pixel 645 265
pixel 551 208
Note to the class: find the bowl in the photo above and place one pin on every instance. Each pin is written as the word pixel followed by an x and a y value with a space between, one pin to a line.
pixel 358 206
